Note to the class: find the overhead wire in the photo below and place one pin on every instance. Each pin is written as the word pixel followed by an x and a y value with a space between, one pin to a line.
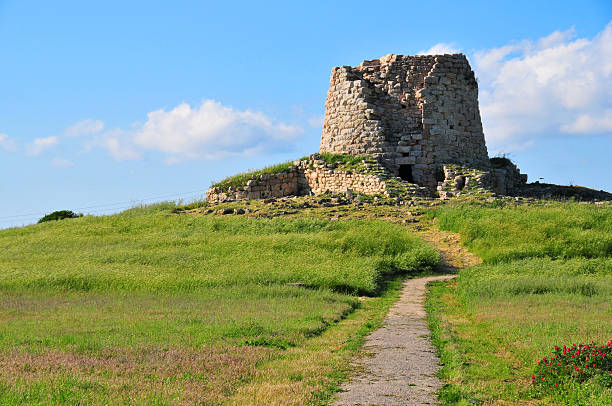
pixel 109 206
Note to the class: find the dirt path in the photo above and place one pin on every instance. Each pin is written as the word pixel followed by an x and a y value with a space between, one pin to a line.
pixel 454 255
pixel 403 363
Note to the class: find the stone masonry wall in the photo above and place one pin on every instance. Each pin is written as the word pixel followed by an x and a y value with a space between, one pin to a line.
pixel 310 176
pixel 260 187
pixel 406 110
pixel 319 178
pixel 503 180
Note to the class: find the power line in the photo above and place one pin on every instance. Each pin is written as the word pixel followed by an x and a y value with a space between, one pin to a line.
pixel 109 206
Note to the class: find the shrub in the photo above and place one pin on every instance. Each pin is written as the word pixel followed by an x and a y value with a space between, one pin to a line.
pixel 500 162
pixel 575 364
pixel 60 215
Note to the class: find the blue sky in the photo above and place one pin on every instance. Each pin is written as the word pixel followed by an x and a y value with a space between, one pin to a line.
pixel 111 103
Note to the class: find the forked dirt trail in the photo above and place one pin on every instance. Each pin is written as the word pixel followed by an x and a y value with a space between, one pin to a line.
pixel 403 363
pixel 454 255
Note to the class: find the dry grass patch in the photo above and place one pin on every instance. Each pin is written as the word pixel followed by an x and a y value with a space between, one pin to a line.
pixel 311 374
pixel 150 307
pixel 180 376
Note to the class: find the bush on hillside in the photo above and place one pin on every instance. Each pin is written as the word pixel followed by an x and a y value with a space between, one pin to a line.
pixel 60 215
pixel 500 162
pixel 577 364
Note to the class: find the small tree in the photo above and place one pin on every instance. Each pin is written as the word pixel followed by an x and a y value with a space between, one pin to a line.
pixel 60 215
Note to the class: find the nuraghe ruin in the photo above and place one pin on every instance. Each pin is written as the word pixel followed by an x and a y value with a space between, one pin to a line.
pixel 416 117
pixel 412 113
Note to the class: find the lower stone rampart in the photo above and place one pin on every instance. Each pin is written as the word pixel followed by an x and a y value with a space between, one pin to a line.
pixel 320 177
pixel 502 180
pixel 315 176
pixel 260 187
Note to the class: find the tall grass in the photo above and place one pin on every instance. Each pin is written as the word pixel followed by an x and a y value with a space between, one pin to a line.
pixel 537 276
pixel 546 280
pixel 153 250
pixel 559 230
pixel 216 263
pixel 151 307
pixel 344 160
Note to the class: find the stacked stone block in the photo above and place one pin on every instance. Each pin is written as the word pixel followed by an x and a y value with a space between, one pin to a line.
pixel 417 116
pixel 504 180
pixel 407 110
pixel 311 176
pixel 319 177
pixel 259 187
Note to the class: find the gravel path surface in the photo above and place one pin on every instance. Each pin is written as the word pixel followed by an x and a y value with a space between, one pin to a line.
pixel 402 368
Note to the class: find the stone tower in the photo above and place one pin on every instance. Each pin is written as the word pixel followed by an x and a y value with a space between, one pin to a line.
pixel 412 113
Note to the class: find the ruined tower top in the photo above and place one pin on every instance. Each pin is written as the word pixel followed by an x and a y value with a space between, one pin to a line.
pixel 413 113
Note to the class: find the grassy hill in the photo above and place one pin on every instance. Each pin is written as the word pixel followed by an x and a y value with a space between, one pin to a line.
pixel 546 281
pixel 253 302
pixel 153 307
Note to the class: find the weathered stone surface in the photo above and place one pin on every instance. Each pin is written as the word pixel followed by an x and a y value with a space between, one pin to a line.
pixel 407 110
pixel 414 115
pixel 306 177
pixel 503 180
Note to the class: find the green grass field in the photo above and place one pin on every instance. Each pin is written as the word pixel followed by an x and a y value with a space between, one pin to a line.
pixel 550 230
pixel 546 280
pixel 154 307
pixel 151 307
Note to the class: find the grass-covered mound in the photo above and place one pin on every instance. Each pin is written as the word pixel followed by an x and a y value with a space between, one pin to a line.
pixel 554 230
pixel 356 163
pixel 240 179
pixel 153 250
pixel 546 281
pixel 342 162
pixel 150 307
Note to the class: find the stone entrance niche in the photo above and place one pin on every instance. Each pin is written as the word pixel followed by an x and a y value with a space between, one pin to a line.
pixel 411 113
pixel 405 172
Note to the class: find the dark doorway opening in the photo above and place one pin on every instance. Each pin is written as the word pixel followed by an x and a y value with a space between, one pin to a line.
pixel 405 172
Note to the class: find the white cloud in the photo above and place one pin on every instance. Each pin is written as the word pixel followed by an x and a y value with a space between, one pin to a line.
pixel 212 131
pixel 589 124
pixel 557 84
pixel 118 143
pixel 85 127
pixel 317 121
pixel 7 143
pixel 440 48
pixel 39 145
pixel 61 162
